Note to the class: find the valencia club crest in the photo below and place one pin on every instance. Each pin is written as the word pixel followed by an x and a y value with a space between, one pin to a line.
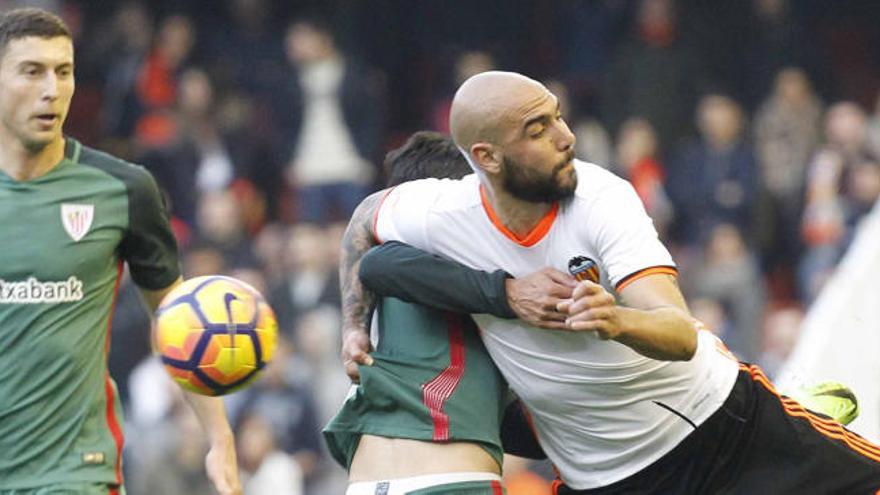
pixel 583 268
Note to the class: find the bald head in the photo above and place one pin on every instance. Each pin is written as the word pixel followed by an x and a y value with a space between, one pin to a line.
pixel 489 104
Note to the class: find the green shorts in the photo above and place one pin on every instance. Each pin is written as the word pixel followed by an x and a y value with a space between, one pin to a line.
pixel 69 489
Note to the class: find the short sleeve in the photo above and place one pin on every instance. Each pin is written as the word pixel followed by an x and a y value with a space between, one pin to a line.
pixel 625 237
pixel 402 214
pixel 149 246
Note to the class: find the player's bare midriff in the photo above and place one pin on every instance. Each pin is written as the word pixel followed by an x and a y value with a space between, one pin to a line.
pixel 380 458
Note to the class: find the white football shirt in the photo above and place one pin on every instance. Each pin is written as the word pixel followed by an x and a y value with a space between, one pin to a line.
pixel 602 411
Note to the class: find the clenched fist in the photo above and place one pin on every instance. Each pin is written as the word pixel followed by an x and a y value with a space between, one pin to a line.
pixel 592 308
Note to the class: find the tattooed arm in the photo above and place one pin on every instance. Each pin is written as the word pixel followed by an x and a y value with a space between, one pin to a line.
pixel 357 302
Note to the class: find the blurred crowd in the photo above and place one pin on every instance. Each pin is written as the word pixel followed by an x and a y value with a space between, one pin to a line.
pixel 748 129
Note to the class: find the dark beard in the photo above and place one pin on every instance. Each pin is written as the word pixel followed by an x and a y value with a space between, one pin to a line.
pixel 526 184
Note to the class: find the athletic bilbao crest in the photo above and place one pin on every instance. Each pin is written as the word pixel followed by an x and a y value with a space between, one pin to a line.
pixel 583 268
pixel 77 219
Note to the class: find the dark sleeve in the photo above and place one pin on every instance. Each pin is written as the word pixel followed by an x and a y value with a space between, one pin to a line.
pixel 517 436
pixel 149 246
pixel 399 270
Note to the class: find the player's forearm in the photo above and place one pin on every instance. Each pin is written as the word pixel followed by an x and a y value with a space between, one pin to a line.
pixel 666 334
pixel 399 270
pixel 357 302
pixel 221 464
pixel 212 416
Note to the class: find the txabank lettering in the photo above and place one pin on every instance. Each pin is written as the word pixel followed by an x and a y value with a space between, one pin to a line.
pixel 33 291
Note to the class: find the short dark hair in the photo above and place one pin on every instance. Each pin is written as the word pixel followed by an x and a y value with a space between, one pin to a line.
pixel 24 22
pixel 425 155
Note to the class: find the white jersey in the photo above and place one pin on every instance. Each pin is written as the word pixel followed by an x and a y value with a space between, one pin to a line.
pixel 602 411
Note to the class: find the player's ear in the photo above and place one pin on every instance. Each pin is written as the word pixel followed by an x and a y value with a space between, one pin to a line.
pixel 486 157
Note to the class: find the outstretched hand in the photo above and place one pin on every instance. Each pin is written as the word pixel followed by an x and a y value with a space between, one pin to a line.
pixel 535 297
pixel 355 351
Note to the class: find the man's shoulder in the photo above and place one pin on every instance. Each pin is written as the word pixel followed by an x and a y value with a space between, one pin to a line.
pixel 443 194
pixel 594 180
pixel 135 177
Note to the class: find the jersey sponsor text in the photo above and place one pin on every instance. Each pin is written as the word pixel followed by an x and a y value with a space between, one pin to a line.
pixel 33 291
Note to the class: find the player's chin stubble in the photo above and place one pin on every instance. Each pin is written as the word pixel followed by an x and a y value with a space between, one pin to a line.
pixel 528 185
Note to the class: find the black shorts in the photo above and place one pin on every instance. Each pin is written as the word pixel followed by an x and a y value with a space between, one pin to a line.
pixel 759 442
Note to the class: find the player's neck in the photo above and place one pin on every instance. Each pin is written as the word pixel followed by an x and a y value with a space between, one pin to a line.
pixel 23 164
pixel 517 215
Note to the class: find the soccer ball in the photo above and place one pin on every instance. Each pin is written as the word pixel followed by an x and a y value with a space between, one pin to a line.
pixel 214 334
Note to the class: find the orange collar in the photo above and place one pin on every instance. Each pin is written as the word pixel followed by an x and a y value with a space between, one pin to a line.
pixel 532 237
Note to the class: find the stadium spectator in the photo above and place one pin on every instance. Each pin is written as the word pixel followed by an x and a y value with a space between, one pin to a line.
pixel 244 48
pixel 307 280
pixel 714 179
pixel 171 455
pixel 729 273
pixel 158 78
pixel 333 124
pixel 637 160
pixel 268 470
pixel 654 75
pixel 269 249
pixel 774 40
pixel 831 210
pixel 220 224
pixel 203 259
pixel 874 128
pixel 288 405
pixel 781 329
pixel 786 132
pixel 126 47
pixel 196 159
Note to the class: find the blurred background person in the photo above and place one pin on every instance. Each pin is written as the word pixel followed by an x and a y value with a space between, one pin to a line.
pixel 269 471
pixel 124 48
pixel 333 124
pixel 286 403
pixel 638 161
pixel 158 78
pixel 308 278
pixel 833 202
pixel 220 224
pixel 786 132
pixel 655 74
pixel 729 273
pixel 714 179
pixel 782 327
pixel 172 456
